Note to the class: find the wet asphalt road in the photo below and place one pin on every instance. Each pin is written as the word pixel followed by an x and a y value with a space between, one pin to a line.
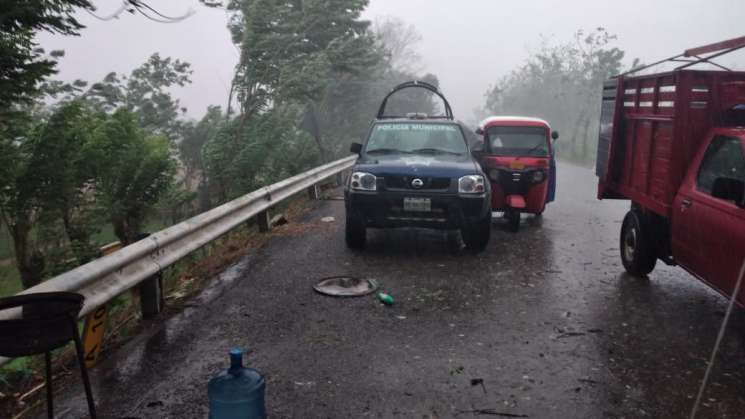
pixel 545 318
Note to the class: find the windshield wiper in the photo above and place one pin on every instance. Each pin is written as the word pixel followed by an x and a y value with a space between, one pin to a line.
pixel 435 151
pixel 529 152
pixel 385 151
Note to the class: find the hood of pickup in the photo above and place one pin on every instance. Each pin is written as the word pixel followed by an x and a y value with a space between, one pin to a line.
pixel 442 166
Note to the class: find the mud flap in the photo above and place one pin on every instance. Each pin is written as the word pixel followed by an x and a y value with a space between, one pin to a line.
pixel 516 201
pixel 551 180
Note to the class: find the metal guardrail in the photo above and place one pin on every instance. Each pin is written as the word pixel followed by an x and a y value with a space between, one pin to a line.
pixel 103 279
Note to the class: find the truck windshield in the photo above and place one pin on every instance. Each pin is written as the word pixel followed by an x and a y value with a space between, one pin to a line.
pixel 518 141
pixel 416 138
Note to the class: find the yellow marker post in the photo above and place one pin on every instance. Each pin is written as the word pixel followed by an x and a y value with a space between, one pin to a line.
pixel 95 329
pixel 95 323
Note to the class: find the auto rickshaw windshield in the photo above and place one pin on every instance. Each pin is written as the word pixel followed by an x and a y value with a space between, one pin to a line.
pixel 416 138
pixel 518 141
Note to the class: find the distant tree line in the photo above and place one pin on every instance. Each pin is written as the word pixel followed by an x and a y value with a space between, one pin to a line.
pixel 78 156
pixel 562 83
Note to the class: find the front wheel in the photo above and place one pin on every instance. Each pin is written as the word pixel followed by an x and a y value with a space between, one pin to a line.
pixel 513 220
pixel 476 236
pixel 637 247
pixel 355 231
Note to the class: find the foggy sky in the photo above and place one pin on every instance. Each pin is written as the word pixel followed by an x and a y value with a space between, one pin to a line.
pixel 468 44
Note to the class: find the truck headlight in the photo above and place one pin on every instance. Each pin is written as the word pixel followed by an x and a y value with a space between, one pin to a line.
pixel 538 176
pixel 362 181
pixel 471 184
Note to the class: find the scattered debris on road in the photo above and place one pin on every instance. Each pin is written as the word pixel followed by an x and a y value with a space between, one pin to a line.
pixel 385 298
pixel 328 219
pixel 569 335
pixel 492 412
pixel 478 381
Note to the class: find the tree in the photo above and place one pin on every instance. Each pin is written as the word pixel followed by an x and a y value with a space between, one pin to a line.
pixel 146 92
pixel 399 39
pixel 195 135
pixel 19 200
pixel 294 56
pixel 562 84
pixel 23 66
pixel 64 161
pixel 134 170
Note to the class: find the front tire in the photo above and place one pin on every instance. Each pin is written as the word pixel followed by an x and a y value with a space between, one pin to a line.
pixel 513 220
pixel 477 235
pixel 355 231
pixel 637 246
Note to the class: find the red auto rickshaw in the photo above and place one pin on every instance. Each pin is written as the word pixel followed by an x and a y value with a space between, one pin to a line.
pixel 518 156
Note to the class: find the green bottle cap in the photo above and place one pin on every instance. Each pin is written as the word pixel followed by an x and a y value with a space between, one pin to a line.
pixel 385 298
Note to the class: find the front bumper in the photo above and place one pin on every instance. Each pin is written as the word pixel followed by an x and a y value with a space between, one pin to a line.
pixel 385 209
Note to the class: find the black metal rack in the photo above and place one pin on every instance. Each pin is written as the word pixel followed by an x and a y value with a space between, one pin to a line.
pixel 415 84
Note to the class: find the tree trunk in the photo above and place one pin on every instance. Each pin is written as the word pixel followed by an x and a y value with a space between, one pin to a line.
pixel 30 262
pixel 321 149
pixel 584 138
pixel 79 239
pixel 126 229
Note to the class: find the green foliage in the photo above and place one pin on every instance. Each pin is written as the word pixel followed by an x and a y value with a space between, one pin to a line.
pixel 135 169
pixel 146 92
pixel 290 50
pixel 195 135
pixel 267 150
pixel 24 66
pixel 64 159
pixel 312 61
pixel 562 84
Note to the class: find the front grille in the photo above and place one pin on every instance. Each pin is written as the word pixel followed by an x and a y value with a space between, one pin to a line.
pixel 428 183
pixel 517 182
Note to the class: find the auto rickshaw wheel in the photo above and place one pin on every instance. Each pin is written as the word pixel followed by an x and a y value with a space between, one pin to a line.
pixel 513 220
pixel 636 245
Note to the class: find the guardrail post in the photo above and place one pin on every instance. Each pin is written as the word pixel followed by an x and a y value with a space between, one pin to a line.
pixel 151 296
pixel 339 179
pixel 313 192
pixel 95 323
pixel 264 221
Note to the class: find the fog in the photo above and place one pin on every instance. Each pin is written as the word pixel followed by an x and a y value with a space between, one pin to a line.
pixel 468 45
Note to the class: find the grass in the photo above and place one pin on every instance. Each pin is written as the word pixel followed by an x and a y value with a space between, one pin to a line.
pixel 10 281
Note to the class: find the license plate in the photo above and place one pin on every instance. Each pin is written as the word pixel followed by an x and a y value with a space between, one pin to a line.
pixel 518 165
pixel 417 204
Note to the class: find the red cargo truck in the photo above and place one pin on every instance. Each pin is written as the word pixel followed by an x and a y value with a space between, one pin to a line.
pixel 674 144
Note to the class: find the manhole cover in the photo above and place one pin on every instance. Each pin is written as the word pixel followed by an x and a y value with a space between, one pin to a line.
pixel 345 286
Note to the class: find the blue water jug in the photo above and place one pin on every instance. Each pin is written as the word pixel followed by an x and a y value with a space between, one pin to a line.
pixel 237 393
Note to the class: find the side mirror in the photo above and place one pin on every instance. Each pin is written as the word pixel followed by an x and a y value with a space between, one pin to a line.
pixel 554 135
pixel 479 131
pixel 730 190
pixel 355 148
pixel 477 150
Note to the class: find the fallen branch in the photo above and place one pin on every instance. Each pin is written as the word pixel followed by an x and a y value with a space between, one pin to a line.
pixel 493 412
pixel 569 335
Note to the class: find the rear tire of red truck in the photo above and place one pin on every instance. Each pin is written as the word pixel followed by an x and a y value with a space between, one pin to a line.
pixel 637 245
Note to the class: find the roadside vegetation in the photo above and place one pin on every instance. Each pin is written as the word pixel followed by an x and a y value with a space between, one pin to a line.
pixel 86 163
pixel 90 162
pixel 562 84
